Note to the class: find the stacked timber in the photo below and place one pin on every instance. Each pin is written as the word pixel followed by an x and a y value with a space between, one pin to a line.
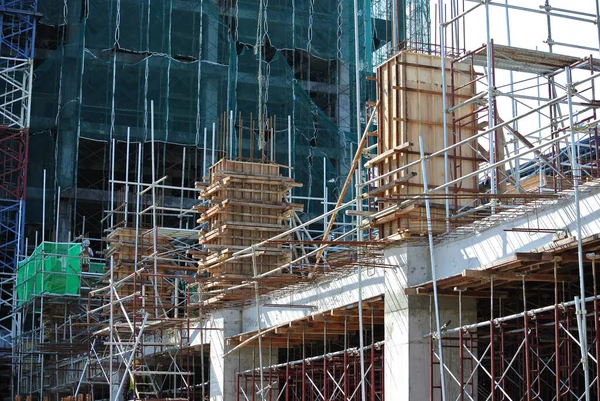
pixel 409 92
pixel 246 206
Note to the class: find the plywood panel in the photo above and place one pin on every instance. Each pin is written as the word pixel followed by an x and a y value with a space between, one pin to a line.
pixel 410 106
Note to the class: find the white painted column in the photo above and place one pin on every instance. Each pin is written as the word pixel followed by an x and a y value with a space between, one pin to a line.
pixel 408 319
pixel 114 387
pixel 223 370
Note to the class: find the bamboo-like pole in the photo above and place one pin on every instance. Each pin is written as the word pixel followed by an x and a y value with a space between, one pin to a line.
pixel 357 157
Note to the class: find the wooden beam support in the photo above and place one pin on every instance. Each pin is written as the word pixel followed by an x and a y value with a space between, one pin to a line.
pixel 516 276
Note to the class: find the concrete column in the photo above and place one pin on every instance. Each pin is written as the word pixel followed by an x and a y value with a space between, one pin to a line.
pixel 223 371
pixel 408 319
pixel 210 105
pixel 250 359
pixel 117 395
pixel 65 220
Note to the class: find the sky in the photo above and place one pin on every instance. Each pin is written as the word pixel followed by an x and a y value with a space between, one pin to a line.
pixel 529 30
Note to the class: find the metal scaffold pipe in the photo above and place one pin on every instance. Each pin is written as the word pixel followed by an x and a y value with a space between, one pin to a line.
pixel 433 271
pixel 502 319
pixel 127 177
pixel 43 209
pixel 329 355
pixel 576 177
pixel 491 104
pixel 358 175
pixel 478 135
pixel 444 109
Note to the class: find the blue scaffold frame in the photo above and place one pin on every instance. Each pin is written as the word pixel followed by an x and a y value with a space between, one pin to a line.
pixel 18 19
pixel 11 232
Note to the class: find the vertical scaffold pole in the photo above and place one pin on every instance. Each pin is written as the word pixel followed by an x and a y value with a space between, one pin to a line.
pixel 212 156
pixel 111 289
pixel 41 340
pixel 181 214
pixel 112 183
pixel 581 312
pixel 433 271
pixel 154 218
pixel 598 19
pixel 325 197
pixel 444 108
pixel 258 322
pixel 358 173
pixel 57 214
pixel 230 150
pixel 289 147
pixel 594 257
pixel 515 125
pixel 204 156
pixel 127 178
pixel 43 210
pixel 491 109
pixel 138 204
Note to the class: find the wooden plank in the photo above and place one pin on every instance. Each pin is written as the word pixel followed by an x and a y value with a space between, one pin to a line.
pixel 388 153
pixel 379 190
pixel 516 276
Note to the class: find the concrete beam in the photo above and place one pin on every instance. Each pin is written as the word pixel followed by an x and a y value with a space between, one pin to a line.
pixel 491 245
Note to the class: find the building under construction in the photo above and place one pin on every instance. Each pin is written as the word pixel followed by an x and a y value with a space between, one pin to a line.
pixel 299 200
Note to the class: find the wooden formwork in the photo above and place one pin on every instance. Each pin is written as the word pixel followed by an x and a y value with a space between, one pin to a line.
pixel 123 246
pixel 409 91
pixel 246 206
pixel 548 183
pixel 122 249
pixel 79 397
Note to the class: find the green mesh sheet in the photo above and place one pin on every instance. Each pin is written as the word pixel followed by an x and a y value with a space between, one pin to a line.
pixel 53 268
pixel 106 60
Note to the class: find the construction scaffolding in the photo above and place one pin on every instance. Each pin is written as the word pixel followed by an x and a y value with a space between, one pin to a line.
pixel 17 42
pixel 141 317
pixel 530 343
pixel 320 355
pixel 140 334
pixel 205 64
pixel 98 67
pixel 516 130
pixel 50 292
pixel 440 155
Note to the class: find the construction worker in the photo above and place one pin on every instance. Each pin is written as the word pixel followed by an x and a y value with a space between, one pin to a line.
pixel 143 379
pixel 130 389
pixel 85 254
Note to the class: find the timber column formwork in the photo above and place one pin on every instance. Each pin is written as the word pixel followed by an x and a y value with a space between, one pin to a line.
pixel 409 90
pixel 246 206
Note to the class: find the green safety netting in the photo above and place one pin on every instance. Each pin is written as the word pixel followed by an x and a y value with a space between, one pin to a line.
pixel 104 61
pixel 52 268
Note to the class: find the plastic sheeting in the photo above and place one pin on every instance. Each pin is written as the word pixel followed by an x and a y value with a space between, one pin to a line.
pixel 53 268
